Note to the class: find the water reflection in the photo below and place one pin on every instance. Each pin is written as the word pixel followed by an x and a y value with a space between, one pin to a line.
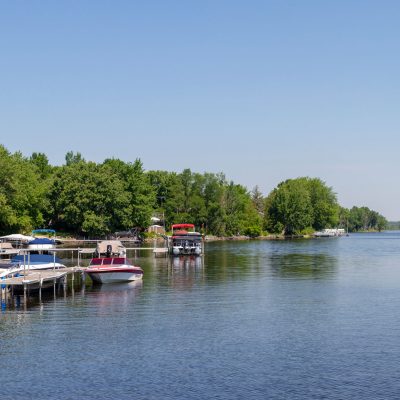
pixel 302 265
pixel 174 272
pixel 187 262
pixel 15 299
pixel 221 264
pixel 119 295
pixel 237 262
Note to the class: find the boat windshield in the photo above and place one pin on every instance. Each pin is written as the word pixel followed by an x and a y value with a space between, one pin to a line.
pixel 108 261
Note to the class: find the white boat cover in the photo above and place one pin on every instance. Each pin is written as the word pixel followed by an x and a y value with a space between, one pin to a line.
pixel 17 237
pixel 117 248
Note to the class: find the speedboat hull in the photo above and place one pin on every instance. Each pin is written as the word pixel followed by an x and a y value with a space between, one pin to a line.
pixel 114 275
pixel 112 270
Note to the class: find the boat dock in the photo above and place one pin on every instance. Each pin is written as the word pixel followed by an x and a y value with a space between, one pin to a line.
pixel 28 281
pixel 37 280
pixel 40 277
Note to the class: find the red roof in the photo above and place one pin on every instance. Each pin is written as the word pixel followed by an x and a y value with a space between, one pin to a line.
pixel 179 226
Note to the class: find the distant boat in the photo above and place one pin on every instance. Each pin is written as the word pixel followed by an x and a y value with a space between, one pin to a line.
pixel 111 265
pixel 185 240
pixel 330 232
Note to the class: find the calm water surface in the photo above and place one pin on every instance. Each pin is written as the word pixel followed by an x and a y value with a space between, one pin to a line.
pixel 304 319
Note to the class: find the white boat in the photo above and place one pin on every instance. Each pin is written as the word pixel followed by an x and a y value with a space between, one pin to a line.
pixel 111 264
pixel 112 270
pixel 36 255
pixel 37 261
pixel 330 232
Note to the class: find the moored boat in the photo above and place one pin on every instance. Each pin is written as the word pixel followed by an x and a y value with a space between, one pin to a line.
pixel 37 254
pixel 330 232
pixel 37 261
pixel 113 269
pixel 185 240
pixel 111 264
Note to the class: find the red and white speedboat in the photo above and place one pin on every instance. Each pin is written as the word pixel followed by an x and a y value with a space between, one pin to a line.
pixel 111 264
pixel 113 269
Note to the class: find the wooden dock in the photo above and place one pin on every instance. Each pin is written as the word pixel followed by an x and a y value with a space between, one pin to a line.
pixel 39 279
pixel 33 282
pixel 31 277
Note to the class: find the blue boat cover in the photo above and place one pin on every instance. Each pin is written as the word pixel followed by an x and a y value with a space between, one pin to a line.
pixel 41 241
pixel 35 259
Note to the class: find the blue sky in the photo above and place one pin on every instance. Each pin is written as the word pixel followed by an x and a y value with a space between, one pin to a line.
pixel 260 90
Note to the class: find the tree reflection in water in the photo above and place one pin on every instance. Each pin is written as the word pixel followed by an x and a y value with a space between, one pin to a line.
pixel 303 265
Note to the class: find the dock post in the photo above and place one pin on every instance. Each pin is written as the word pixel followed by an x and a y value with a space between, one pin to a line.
pixel 65 286
pixel 72 280
pixel 24 293
pixel 3 289
pixel 83 278
pixel 40 291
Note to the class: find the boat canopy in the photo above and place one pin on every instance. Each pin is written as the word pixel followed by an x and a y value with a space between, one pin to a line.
pixel 43 231
pixel 17 237
pixel 182 226
pixel 110 246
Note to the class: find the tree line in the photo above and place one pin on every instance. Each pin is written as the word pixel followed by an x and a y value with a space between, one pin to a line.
pixel 94 199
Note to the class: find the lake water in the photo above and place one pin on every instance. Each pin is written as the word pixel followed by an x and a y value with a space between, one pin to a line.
pixel 300 319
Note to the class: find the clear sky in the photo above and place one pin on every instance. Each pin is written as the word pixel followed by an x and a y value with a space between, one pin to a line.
pixel 260 90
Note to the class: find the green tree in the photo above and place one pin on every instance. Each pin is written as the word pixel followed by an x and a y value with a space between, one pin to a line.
pixel 324 204
pixel 22 193
pixel 289 207
pixel 73 158
pixel 41 162
pixel 214 188
pixel 141 195
pixel 363 219
pixel 90 199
